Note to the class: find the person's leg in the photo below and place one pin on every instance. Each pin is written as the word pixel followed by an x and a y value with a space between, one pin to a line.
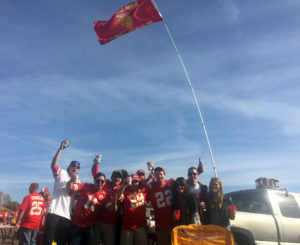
pixel 49 233
pixel 108 233
pixel 87 236
pixel 24 236
pixel 98 234
pixel 140 236
pixel 163 237
pixel 76 235
pixel 119 228
pixel 63 231
pixel 127 237
pixel 33 237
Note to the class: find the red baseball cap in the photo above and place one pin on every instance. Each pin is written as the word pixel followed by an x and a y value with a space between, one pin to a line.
pixel 45 189
pixel 135 177
pixel 141 171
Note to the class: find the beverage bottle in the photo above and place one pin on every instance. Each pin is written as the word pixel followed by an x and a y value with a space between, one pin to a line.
pixel 200 167
pixel 232 208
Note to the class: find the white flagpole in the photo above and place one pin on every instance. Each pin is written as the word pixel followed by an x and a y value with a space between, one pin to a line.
pixel 193 92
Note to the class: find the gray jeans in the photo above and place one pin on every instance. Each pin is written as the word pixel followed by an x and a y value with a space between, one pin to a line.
pixel 134 237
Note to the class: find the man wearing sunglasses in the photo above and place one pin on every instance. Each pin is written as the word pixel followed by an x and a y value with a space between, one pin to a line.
pixel 91 198
pixel 58 218
pixel 106 227
pixel 198 189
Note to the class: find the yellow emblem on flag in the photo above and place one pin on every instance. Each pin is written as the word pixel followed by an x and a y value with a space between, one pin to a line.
pixel 126 21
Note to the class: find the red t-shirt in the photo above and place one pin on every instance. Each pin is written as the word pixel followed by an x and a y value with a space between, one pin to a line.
pixel 4 216
pixel 134 208
pixel 105 214
pixel 33 206
pixel 161 200
pixel 88 204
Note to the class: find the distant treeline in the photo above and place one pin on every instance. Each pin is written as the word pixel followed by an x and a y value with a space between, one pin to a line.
pixel 5 201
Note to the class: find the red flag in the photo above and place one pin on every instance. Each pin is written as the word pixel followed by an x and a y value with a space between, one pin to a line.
pixel 129 18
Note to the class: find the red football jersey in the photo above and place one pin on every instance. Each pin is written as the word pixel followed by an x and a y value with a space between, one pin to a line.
pixel 161 200
pixel 33 206
pixel 4 216
pixel 88 204
pixel 105 214
pixel 134 208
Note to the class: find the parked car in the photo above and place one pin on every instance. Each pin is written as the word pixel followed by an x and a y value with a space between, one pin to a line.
pixel 266 215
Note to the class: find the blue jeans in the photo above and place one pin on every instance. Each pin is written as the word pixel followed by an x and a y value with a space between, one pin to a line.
pixel 27 236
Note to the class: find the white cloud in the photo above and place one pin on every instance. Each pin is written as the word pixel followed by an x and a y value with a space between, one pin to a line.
pixel 231 10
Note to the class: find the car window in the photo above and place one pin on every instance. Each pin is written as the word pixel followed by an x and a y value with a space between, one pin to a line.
pixel 253 202
pixel 288 205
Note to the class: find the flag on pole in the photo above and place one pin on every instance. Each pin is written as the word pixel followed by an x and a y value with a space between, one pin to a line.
pixel 129 18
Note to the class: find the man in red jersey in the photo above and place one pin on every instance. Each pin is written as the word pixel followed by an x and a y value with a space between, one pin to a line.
pixel 30 215
pixel 106 227
pixel 160 194
pixel 133 197
pixel 89 202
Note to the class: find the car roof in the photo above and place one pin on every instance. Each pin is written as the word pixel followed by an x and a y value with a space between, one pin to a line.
pixel 261 190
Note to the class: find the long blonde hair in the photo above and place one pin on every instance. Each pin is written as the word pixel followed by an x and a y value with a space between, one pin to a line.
pixel 216 199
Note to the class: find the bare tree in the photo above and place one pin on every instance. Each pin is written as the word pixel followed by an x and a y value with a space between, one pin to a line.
pixel 6 200
pixel 13 205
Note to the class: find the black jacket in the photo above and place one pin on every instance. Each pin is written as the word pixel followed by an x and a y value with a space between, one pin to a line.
pixel 224 213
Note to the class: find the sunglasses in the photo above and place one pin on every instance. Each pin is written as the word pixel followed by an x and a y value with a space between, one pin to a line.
pixel 134 181
pixel 117 175
pixel 141 174
pixel 98 181
pixel 191 174
pixel 182 185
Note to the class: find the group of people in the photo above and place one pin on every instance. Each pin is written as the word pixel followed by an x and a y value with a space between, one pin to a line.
pixel 113 211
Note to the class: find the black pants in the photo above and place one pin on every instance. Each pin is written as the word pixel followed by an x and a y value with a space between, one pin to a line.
pixel 82 236
pixel 56 227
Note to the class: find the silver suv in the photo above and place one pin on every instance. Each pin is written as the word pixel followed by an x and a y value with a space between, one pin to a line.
pixel 266 216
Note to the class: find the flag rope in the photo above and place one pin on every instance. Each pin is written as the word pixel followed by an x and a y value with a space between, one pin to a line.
pixel 193 92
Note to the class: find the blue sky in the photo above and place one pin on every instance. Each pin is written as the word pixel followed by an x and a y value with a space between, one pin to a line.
pixel 129 99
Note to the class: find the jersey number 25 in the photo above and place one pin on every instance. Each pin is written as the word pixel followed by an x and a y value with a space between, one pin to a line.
pixel 36 208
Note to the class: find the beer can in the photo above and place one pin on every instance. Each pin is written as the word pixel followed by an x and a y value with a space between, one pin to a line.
pixel 99 158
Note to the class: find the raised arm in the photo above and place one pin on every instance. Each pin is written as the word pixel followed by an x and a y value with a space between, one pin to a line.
pixel 151 176
pixel 56 157
pixel 117 197
pixel 95 167
pixel 119 193
pixel 71 185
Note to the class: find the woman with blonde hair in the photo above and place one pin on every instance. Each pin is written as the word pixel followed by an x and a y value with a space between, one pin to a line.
pixel 218 208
